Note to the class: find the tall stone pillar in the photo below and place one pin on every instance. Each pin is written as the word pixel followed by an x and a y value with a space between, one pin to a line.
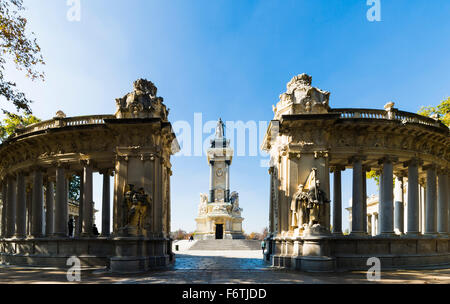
pixel 337 201
pixel 21 212
pixel 106 203
pixel 364 198
pixel 11 208
pixel 227 181
pixel 4 207
pixel 80 207
pixel 357 204
pixel 386 205
pixel 430 207
pixel 61 216
pixel 87 200
pixel 29 198
pixel 211 179
pixel 442 203
pixel 38 204
pixel 399 204
pixel 50 208
pixel 413 212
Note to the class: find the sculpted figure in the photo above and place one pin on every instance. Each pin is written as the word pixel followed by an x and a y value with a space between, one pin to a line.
pixel 308 203
pixel 203 204
pixel 296 207
pixel 316 200
pixel 136 205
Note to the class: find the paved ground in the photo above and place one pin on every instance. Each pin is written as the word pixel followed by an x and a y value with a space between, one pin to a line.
pixel 221 267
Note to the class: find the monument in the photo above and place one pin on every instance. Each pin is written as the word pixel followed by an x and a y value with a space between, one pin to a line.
pixel 307 140
pixel 135 145
pixel 219 214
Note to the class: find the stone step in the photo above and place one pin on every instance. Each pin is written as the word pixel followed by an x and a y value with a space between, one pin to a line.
pixel 226 245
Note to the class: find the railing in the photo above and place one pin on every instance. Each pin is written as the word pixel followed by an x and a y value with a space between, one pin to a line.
pixel 394 114
pixel 64 122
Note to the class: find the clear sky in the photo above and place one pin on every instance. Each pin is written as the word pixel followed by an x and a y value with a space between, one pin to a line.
pixel 232 59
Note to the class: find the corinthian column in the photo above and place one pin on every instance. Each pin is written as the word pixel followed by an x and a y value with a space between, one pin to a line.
pixel 399 201
pixel 337 201
pixel 357 204
pixel 386 205
pixel 61 228
pixel 413 211
pixel 87 200
pixel 4 207
pixel 442 220
pixel 430 207
pixel 106 203
pixel 50 208
pixel 11 208
pixel 21 212
pixel 38 204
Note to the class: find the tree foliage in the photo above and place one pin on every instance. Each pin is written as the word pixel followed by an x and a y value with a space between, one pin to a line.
pixel 13 121
pixel 74 188
pixel 442 110
pixel 19 47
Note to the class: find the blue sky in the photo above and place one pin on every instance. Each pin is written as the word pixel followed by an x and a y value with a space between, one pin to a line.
pixel 232 59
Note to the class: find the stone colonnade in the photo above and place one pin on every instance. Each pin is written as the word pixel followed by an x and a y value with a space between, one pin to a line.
pixel 391 201
pixel 48 209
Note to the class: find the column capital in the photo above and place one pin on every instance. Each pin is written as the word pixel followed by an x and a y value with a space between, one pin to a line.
pixel 431 166
pixel 355 158
pixel 61 164
pixel 413 162
pixel 400 174
pixel 337 168
pixel 87 162
pixel 387 159
pixel 106 171
pixel 366 168
pixel 34 168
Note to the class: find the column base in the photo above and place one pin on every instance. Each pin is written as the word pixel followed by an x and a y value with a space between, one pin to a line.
pixel 412 234
pixel 430 234
pixel 387 234
pixel 19 237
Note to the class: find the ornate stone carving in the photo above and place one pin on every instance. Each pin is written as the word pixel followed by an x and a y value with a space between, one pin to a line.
pixel 136 206
pixel 202 207
pixel 234 199
pixel 142 102
pixel 302 98
pixel 308 203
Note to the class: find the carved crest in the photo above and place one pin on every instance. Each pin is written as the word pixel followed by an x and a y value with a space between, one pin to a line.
pixel 142 102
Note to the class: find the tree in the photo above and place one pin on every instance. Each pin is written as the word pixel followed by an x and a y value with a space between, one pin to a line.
pixel 74 188
pixel 22 50
pixel 13 121
pixel 442 110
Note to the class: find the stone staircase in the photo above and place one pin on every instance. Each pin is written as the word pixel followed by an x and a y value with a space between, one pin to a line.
pixel 226 245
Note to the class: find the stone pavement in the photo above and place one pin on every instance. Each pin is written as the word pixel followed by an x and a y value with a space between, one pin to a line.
pixel 221 267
